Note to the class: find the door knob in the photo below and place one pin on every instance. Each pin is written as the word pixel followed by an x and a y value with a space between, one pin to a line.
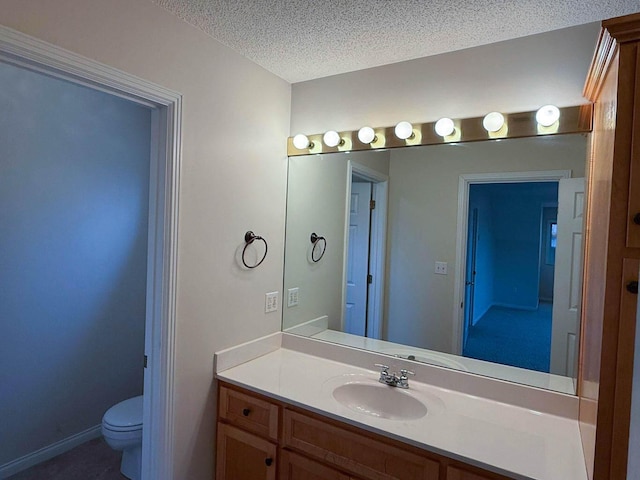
pixel 246 412
pixel 632 287
pixel 636 218
pixel 268 461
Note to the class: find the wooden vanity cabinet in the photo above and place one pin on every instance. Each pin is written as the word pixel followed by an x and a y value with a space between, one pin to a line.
pixel 259 438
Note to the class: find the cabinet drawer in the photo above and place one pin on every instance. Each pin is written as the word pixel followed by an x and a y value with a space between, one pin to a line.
pixel 361 455
pixel 297 467
pixel 250 413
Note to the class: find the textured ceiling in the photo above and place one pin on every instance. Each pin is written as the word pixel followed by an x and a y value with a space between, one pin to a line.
pixel 305 39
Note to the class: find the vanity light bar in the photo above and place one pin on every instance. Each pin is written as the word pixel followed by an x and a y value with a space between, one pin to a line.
pixel 523 124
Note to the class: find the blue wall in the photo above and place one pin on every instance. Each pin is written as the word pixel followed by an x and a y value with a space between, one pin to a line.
pixel 74 175
pixel 509 242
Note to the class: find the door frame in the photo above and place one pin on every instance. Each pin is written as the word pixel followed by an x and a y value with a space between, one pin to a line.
pixel 464 182
pixel 467 310
pixel 377 245
pixel 25 51
pixel 542 258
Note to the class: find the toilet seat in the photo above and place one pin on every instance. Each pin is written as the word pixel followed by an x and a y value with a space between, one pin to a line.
pixel 125 416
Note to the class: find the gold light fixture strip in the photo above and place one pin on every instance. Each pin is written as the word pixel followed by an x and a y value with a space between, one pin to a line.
pixel 522 124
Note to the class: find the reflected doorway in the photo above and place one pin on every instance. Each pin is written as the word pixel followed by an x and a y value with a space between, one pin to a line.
pixel 365 252
pixel 509 274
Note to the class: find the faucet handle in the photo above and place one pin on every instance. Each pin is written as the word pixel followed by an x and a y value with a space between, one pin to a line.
pixel 384 368
pixel 403 381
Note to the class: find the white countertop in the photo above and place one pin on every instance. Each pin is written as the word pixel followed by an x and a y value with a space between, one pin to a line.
pixel 506 439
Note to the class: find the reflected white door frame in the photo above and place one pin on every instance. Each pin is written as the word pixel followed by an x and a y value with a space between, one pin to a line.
pixel 462 232
pixel 355 314
pixel 377 246
pixel 166 116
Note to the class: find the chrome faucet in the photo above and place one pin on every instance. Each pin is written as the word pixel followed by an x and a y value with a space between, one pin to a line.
pixel 393 379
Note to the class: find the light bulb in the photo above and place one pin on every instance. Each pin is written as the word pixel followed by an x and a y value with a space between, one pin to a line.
pixel 366 135
pixel 548 115
pixel 493 121
pixel 445 127
pixel 404 130
pixel 301 142
pixel 331 138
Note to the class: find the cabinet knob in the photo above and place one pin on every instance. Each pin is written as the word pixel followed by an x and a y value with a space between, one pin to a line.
pixel 268 461
pixel 246 412
pixel 632 287
pixel 636 218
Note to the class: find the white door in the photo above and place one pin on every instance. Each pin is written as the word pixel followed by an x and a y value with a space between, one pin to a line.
pixel 355 318
pixel 567 288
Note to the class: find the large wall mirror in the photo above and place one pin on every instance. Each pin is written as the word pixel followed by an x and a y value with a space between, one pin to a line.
pixel 465 255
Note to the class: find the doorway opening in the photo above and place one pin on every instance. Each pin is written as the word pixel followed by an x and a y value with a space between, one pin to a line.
pixel 365 251
pixel 35 55
pixel 494 233
pixel 509 276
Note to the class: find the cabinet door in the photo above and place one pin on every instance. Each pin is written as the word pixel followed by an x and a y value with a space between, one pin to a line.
pixel 242 455
pixel 455 473
pixel 629 128
pixel 297 467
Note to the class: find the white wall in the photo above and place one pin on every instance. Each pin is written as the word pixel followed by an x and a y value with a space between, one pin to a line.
pixel 317 202
pixel 233 179
pixel 511 76
pixel 423 205
pixel 73 208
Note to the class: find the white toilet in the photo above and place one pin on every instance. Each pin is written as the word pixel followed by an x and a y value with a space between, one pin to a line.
pixel 122 430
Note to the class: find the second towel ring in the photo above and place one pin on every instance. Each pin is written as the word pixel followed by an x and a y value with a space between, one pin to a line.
pixel 249 238
pixel 315 239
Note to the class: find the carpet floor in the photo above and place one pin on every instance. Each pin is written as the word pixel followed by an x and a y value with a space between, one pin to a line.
pixel 93 460
pixel 519 338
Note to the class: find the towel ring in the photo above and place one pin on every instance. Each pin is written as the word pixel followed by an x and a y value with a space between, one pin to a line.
pixel 315 239
pixel 249 238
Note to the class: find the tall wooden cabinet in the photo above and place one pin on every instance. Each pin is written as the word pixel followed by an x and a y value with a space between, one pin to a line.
pixel 612 250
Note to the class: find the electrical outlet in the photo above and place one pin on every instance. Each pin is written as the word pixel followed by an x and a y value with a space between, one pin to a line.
pixel 271 302
pixel 293 295
pixel 441 268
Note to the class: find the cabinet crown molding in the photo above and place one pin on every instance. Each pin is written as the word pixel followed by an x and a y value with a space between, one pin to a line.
pixel 605 52
pixel 624 29
pixel 615 31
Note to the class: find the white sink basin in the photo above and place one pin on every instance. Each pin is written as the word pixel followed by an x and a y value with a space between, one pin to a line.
pixel 380 401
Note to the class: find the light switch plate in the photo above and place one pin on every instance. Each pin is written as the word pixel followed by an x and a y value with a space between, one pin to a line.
pixel 441 268
pixel 293 296
pixel 271 302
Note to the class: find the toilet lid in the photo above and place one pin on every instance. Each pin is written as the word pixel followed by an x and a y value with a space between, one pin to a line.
pixel 127 414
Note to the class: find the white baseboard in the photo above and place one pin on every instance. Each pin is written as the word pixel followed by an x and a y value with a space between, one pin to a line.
pixel 49 451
